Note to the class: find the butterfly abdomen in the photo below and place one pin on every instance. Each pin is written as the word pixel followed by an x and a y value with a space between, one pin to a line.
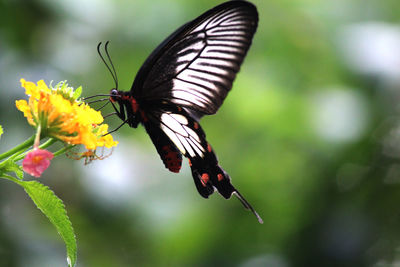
pixel 169 154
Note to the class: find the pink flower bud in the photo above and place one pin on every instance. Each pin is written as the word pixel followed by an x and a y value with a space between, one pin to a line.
pixel 37 161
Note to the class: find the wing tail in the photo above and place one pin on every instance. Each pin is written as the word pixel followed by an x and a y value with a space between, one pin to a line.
pixel 207 174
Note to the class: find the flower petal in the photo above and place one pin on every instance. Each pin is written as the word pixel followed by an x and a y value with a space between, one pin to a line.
pixel 37 161
pixel 60 115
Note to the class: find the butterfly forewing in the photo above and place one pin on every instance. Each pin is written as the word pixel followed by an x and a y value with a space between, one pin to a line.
pixel 196 65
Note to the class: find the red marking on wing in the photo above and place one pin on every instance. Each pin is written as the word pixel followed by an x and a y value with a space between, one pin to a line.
pixel 220 177
pixel 204 179
pixel 172 159
pixel 209 148
pixel 196 125
pixel 190 163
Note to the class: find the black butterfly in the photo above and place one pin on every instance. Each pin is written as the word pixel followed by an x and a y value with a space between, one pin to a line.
pixel 188 76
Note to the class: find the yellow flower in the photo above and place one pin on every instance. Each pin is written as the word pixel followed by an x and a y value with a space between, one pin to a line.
pixel 61 115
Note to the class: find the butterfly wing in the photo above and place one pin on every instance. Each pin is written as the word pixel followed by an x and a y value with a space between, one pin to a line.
pixel 174 133
pixel 196 65
pixel 168 152
pixel 172 127
pixel 188 76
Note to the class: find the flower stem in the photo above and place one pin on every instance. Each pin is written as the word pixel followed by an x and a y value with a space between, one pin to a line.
pixel 46 144
pixel 8 177
pixel 37 138
pixel 21 147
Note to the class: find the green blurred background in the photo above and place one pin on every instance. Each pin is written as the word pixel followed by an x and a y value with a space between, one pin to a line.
pixel 310 135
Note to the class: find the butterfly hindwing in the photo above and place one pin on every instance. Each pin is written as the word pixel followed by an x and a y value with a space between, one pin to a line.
pixel 185 134
pixel 207 171
pixel 175 133
pixel 195 66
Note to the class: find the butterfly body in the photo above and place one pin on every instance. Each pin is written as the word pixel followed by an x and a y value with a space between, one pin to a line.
pixel 186 77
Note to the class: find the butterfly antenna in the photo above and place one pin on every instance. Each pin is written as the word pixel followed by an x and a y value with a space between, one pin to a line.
pixel 97 100
pixel 105 63
pixel 112 65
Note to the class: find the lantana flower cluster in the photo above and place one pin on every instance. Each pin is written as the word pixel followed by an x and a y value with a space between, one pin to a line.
pixel 57 112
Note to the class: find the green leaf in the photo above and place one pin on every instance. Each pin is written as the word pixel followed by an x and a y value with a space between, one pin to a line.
pixel 11 166
pixel 77 93
pixel 1 130
pixel 54 209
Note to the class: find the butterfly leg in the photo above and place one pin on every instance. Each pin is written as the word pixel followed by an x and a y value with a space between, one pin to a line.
pixel 120 112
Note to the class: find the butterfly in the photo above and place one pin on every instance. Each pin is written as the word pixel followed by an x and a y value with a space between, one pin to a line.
pixel 186 77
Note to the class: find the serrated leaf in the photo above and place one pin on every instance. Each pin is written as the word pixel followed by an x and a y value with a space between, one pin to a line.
pixel 54 209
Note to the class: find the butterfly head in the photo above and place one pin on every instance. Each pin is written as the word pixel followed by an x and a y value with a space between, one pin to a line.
pixel 127 107
pixel 115 95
